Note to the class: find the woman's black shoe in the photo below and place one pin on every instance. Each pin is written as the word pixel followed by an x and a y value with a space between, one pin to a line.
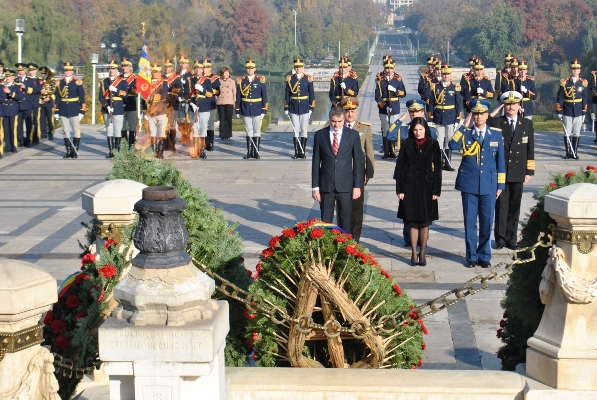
pixel 413 262
pixel 422 260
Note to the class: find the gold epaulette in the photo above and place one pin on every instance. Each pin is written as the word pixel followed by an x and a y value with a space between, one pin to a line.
pixel 78 82
pixel 288 77
pixel 239 80
pixel 262 79
pixel 585 82
pixel 396 76
pixel 353 75
pixel 309 77
pixel 466 77
pixel 363 123
pixel 486 77
pixel 336 75
pixel 563 81
pixel 458 87
pixel 530 77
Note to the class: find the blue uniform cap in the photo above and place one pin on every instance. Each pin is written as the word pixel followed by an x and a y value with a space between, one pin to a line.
pixel 481 106
pixel 415 105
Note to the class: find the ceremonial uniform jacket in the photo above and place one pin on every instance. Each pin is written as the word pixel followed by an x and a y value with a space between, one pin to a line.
pixel 364 130
pixel 70 98
pixel 466 77
pixel 573 97
pixel 351 82
pixel 470 91
pixel 482 170
pixel 519 147
pixel 130 103
pixel 201 98
pixel 500 76
pixel 398 132
pixel 422 86
pixel 299 95
pixel 445 104
pixel 118 98
pixel 10 103
pixel 509 82
pixel 215 89
pixel 593 86
pixel 174 85
pixel 431 80
pixel 185 85
pixel 33 87
pixel 528 96
pixel 382 97
pixel 251 97
pixel 156 104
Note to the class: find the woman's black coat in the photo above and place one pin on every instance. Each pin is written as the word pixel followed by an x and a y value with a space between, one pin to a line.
pixel 419 176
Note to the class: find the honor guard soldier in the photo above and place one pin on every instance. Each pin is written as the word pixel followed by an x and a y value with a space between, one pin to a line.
pixel 593 88
pixel 129 125
pixel 388 91
pixel 481 178
pixel 421 88
pixel 11 96
pixel 31 89
pixel 502 74
pixel 571 106
pixel 70 108
pixel 445 111
pixel 519 156
pixel 46 100
pixel 510 80
pixel 344 82
pixel 467 76
pixel 350 105
pixel 157 110
pixel 215 90
pixel 174 87
pixel 478 88
pixel 251 105
pixel 299 102
pixel 526 86
pixel 183 96
pixel 112 96
pixel 38 89
pixel 201 107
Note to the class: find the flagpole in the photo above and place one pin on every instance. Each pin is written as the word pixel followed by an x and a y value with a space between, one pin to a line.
pixel 138 95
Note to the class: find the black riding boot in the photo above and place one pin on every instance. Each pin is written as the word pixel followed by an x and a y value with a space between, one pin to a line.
pixel 69 150
pixel 249 148
pixel 110 146
pixel 117 143
pixel 209 145
pixel 160 147
pixel 385 148
pixel 575 140
pixel 448 166
pixel 296 149
pixel 304 147
pixel 76 142
pixel 124 136
pixel 256 147
pixel 567 146
pixel 132 138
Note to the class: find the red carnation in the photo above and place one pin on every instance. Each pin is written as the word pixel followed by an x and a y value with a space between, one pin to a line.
pixel 336 231
pixel 256 337
pixel 423 346
pixel 363 257
pixel 424 329
pixel 552 185
pixel 413 366
pixel 411 306
pixel 414 315
pixel 62 342
pixel 340 239
pixel 254 356
pixel 249 273
pixel 311 222
pixel 397 290
pixel 570 174
pixel 249 316
pixel 352 249
pixel 48 318
pixel 73 302
pixel 87 258
pixel 57 326
pixel 316 233
pixel 534 214
pixel 591 168
pixel 289 233
pixel 81 277
pixel 499 333
pixel 420 362
pixel 348 236
pixel 384 273
pixel 301 227
pixel 258 269
pixel 249 344
pixel 502 323
pixel 107 272
pixel 273 242
pixel 109 243
pixel 267 253
pixel 80 315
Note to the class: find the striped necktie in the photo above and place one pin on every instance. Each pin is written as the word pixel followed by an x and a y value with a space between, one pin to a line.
pixel 335 145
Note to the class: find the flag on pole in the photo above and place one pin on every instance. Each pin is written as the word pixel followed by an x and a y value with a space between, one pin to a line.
pixel 144 76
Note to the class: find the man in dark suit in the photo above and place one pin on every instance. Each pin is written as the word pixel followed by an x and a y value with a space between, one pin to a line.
pixel 336 174
pixel 519 156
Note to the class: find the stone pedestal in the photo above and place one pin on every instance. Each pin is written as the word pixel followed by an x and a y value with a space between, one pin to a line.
pixel 563 350
pixel 165 340
pixel 26 369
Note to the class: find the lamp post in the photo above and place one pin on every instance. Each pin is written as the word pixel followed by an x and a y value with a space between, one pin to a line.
pixel 295 12
pixel 94 61
pixel 110 49
pixel 19 29
pixel 175 35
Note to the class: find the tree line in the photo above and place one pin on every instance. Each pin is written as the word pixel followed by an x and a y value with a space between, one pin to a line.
pixel 226 31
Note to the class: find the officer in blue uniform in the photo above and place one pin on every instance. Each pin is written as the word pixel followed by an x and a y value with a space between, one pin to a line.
pixel 477 88
pixel 389 89
pixel 201 106
pixel 344 82
pixel 481 179
pixel 502 74
pixel 299 102
pixel 445 111
pixel 526 86
pixel 571 106
pixel 399 132
pixel 252 105
pixel 30 88
pixel 421 87
pixel 129 125
pixel 10 109
pixel 112 96
pixel 509 80
pixel 46 100
pixel 70 108
pixel 433 79
pixel 214 80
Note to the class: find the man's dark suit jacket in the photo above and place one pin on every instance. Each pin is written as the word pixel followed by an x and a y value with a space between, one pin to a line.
pixel 519 147
pixel 337 173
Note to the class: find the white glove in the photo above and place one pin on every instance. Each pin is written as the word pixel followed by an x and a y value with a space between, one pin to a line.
pixel 593 116
pixel 180 99
pixel 81 116
pixel 389 109
pixel 480 91
pixel 456 124
pixel 194 107
pixel 391 88
pixel 343 85
pixel 286 112
pixel 199 87
pixel 237 115
pixel 560 117
pixel 113 89
pixel 110 110
pixel 523 88
pixel 310 112
pixel 56 116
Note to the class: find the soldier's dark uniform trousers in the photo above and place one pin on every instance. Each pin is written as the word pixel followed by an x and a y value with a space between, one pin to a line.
pixel 571 106
pixel 299 103
pixel 251 105
pixel 481 174
pixel 11 97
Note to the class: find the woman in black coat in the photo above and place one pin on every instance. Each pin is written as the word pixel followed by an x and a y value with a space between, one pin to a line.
pixel 419 184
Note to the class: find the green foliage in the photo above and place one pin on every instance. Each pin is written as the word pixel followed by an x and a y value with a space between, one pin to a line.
pixel 279 271
pixel 547 126
pixel 522 305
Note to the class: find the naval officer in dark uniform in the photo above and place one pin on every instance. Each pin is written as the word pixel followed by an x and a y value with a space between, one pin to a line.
pixel 481 179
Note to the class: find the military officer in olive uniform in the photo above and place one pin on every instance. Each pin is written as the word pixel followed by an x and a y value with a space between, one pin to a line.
pixel 477 88
pixel 129 125
pixel 526 86
pixel 112 97
pixel 481 179
pixel 174 84
pixel 299 102
pixel 252 105
pixel 344 82
pixel 214 80
pixel 350 104
pixel 11 96
pixel 445 111
pixel 389 89
pixel 571 106
pixel 70 108
pixel 519 156
pixel 502 74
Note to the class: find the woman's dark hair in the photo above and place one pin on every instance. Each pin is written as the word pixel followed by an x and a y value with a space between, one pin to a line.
pixel 418 121
pixel 224 69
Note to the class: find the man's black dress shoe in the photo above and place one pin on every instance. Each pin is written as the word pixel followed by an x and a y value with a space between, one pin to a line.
pixel 484 264
pixel 471 264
